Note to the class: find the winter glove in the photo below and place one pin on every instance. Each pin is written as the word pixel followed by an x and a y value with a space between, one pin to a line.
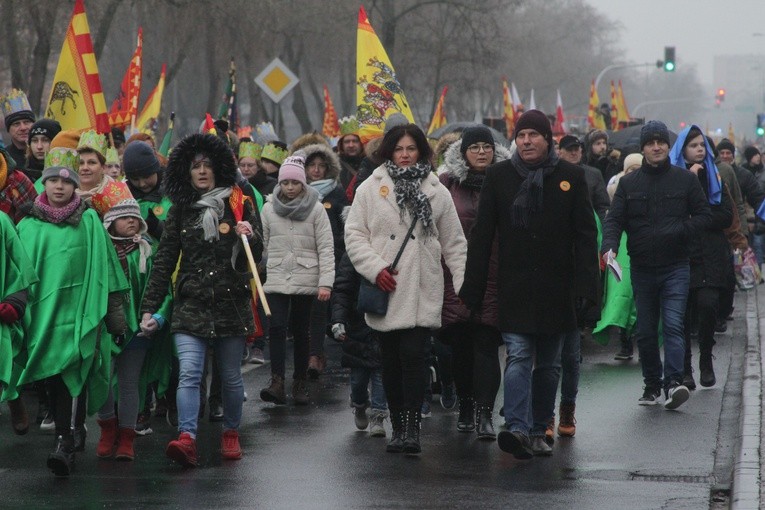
pixel 338 331
pixel 8 314
pixel 385 280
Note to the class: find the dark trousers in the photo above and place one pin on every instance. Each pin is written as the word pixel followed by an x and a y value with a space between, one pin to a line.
pixel 293 311
pixel 62 406
pixel 319 318
pixel 702 310
pixel 403 361
pixel 475 361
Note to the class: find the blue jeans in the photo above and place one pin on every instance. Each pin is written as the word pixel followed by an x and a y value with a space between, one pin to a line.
pixel 530 398
pixel 191 357
pixel 571 358
pixel 360 378
pixel 661 292
pixel 758 246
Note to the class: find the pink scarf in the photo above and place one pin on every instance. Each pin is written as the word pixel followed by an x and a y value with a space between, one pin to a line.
pixel 57 214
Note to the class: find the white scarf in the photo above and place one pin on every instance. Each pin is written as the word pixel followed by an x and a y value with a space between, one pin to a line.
pixel 214 203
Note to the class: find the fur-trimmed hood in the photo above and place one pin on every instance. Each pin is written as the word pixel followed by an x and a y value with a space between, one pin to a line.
pixel 456 166
pixel 177 182
pixel 332 159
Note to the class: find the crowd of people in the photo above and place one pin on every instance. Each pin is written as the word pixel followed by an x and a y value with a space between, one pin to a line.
pixel 125 274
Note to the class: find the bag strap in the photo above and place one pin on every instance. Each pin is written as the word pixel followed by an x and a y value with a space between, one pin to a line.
pixel 403 245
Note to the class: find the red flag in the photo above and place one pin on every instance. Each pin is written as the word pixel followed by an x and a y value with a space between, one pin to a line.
pixel 560 120
pixel 331 127
pixel 125 106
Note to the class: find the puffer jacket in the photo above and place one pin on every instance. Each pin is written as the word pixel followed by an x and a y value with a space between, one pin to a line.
pixel 300 254
pixel 452 173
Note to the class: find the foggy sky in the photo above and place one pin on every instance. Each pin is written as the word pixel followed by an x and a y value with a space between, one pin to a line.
pixel 699 29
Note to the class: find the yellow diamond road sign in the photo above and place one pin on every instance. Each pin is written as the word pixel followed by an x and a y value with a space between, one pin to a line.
pixel 276 80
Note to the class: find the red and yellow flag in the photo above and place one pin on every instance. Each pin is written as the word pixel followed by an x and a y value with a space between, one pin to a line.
pixel 125 107
pixel 209 125
pixel 614 108
pixel 331 127
pixel 76 98
pixel 147 120
pixel 508 112
pixel 439 116
pixel 624 113
pixel 378 91
pixel 594 120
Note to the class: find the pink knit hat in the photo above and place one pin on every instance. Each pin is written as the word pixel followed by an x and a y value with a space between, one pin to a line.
pixel 293 168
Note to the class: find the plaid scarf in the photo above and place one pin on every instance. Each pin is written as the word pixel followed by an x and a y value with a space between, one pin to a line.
pixel 17 195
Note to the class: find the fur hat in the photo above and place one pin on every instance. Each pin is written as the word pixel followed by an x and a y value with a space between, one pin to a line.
pixel 177 182
pixel 654 130
pixel 293 168
pixel 139 160
pixel 329 156
pixel 536 120
pixel 306 140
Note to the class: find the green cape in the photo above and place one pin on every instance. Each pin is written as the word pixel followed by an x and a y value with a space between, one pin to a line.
pixel 16 274
pixel 618 300
pixel 64 332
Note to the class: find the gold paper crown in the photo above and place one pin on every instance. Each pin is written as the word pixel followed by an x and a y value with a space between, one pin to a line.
pixel 349 125
pixel 112 194
pixel 112 156
pixel 64 158
pixel 13 102
pixel 250 150
pixel 274 153
pixel 94 141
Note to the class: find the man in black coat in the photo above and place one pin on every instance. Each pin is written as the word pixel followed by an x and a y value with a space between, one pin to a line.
pixel 571 151
pixel 540 209
pixel 662 208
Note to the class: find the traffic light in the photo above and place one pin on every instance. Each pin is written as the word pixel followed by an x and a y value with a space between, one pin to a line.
pixel 669 59
pixel 760 128
pixel 719 97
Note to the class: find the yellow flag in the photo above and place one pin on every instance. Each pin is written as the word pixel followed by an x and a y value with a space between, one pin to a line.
pixel 76 97
pixel 147 120
pixel 624 113
pixel 439 116
pixel 378 92
pixel 594 120
pixel 508 112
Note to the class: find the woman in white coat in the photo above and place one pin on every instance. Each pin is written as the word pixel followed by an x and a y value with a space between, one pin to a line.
pixel 403 188
pixel 299 249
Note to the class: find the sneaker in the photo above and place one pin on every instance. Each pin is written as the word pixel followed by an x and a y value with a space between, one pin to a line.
pixel 183 450
pixel 47 424
pixel 650 396
pixel 257 357
pixel 539 447
pixel 143 425
pixel 425 409
pixel 245 354
pixel 360 416
pixel 516 444
pixel 229 445
pixel 448 396
pixel 376 419
pixel 677 395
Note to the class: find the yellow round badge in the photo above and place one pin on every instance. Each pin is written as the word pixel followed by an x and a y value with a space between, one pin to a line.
pixel 384 191
pixel 565 185
pixel 327 205
pixel 158 210
pixel 224 228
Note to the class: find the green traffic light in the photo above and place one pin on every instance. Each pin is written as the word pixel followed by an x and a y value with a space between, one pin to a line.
pixel 760 131
pixel 669 66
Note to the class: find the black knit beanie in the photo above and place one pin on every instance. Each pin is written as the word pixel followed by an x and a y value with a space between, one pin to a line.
pixel 750 152
pixel 654 130
pixel 473 135
pixel 139 160
pixel 726 144
pixel 45 127
pixel 536 120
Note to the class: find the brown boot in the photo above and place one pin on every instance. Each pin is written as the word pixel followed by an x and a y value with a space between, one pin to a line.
pixel 315 367
pixel 125 445
pixel 300 392
pixel 567 423
pixel 108 439
pixel 19 416
pixel 275 391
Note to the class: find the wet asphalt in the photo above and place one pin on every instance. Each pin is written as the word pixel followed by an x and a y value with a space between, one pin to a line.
pixel 623 455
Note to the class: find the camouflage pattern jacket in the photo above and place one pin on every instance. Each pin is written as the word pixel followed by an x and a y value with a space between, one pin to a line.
pixel 212 298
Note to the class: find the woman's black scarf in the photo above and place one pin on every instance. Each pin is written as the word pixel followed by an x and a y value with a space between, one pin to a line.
pixel 409 196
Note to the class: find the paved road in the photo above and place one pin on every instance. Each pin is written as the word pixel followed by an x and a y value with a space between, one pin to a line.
pixel 623 455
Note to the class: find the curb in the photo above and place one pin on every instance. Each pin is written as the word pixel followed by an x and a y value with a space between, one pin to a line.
pixel 746 468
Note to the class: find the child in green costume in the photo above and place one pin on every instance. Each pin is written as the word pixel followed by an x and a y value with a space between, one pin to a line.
pixel 81 287
pixel 133 246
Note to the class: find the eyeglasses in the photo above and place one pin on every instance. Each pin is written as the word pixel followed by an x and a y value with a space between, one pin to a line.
pixel 475 149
